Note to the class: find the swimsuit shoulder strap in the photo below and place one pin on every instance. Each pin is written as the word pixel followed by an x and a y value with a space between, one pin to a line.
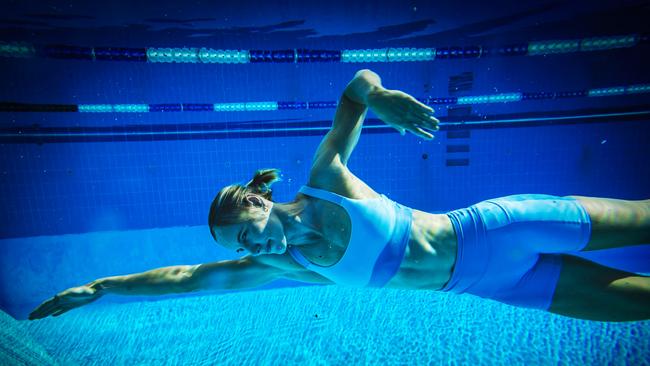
pixel 295 253
pixel 322 194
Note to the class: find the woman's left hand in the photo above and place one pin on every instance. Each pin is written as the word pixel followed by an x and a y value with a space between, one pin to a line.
pixel 403 112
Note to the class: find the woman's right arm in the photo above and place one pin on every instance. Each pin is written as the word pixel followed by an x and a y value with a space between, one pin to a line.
pixel 246 272
pixel 222 275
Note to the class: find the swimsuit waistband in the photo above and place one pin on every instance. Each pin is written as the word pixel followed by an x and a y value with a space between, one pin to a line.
pixel 470 231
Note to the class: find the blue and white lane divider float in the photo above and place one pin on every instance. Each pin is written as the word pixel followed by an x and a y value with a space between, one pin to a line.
pixel 275 106
pixel 399 54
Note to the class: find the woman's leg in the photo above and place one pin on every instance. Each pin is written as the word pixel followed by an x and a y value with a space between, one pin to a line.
pixel 616 223
pixel 587 290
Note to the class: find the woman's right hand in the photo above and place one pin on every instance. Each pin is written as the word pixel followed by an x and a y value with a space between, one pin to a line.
pixel 403 112
pixel 66 300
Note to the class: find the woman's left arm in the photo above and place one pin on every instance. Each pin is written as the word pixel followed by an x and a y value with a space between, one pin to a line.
pixel 340 140
pixel 396 108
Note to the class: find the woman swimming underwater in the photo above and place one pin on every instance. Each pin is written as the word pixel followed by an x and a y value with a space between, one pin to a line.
pixel 515 249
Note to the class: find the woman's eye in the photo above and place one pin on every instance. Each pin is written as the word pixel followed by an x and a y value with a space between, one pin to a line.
pixel 240 250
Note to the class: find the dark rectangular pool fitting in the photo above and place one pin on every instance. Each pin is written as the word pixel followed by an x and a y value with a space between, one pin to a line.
pixel 461 82
pixel 458 134
pixel 457 162
pixel 457 148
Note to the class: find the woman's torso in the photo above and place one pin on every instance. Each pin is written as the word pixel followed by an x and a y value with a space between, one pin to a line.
pixel 429 255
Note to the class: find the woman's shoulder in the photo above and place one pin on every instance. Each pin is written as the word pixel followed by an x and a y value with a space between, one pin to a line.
pixel 338 179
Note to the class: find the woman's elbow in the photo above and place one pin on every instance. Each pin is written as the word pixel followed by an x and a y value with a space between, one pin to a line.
pixel 365 73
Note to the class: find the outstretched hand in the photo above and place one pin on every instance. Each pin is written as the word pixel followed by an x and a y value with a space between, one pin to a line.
pixel 65 301
pixel 403 112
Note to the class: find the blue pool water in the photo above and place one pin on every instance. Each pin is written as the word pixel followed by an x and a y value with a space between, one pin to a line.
pixel 119 124
pixel 290 325
pixel 325 326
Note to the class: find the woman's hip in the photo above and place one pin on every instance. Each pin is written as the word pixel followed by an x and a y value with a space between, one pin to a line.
pixel 506 245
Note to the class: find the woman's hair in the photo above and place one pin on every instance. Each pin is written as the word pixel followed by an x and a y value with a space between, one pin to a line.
pixel 229 207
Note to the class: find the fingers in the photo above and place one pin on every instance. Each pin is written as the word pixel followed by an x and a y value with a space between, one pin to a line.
pixel 398 128
pixel 418 131
pixel 422 133
pixel 423 107
pixel 416 120
pixel 416 128
pixel 419 121
pixel 54 310
pixel 421 115
pixel 45 309
pixel 427 121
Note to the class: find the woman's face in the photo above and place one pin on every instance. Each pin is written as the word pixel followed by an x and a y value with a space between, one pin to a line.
pixel 264 235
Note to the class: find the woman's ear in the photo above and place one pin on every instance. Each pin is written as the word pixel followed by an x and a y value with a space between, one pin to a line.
pixel 254 200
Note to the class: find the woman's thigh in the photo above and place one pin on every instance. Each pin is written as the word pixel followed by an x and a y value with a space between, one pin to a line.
pixel 588 290
pixel 616 223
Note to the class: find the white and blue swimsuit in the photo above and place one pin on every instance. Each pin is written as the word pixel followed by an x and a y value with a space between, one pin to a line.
pixel 380 233
pixel 508 248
